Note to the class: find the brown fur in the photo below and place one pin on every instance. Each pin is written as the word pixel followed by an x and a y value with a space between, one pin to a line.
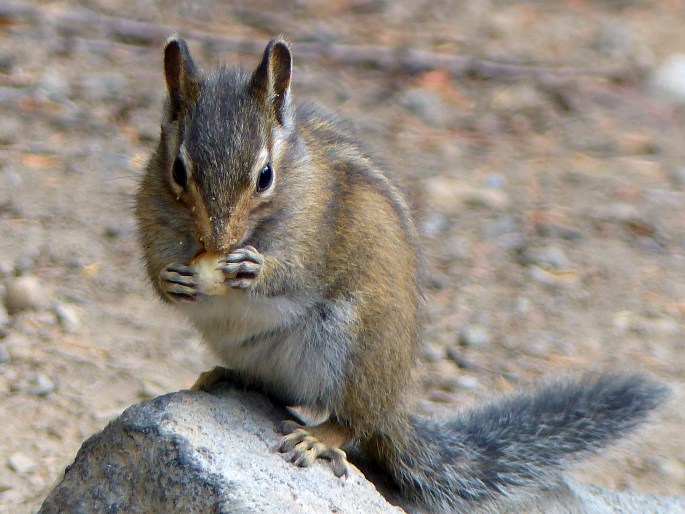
pixel 328 315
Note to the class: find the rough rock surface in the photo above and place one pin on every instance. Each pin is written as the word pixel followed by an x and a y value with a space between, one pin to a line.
pixel 198 452
pixel 195 452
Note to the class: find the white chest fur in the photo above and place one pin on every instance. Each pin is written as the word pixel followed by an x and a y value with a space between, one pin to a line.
pixel 283 343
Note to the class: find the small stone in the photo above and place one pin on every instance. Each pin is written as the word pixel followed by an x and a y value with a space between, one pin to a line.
pixel 4 316
pixel 495 181
pixel 4 354
pixel 41 385
pixel 428 106
pixel 475 335
pixel 434 224
pixel 458 247
pixel 431 353
pixel 559 231
pixel 24 264
pixel 469 383
pixel 6 269
pixel 678 175
pixel 519 98
pixel 668 80
pixel 554 278
pixel 449 195
pixel 456 356
pixel 548 257
pixel 673 469
pixel 52 85
pixel 66 316
pixel 20 463
pixel 621 212
pixel 491 198
pixel 24 293
pixel 500 226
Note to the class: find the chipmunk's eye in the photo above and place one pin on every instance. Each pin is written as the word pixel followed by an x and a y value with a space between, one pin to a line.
pixel 179 173
pixel 265 179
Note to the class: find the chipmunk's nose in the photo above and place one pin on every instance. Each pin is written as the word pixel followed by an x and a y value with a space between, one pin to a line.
pixel 221 236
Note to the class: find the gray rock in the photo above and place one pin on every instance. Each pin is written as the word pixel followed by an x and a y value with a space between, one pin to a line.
pixel 24 293
pixel 196 452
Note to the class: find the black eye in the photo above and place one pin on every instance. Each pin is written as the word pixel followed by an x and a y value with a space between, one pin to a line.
pixel 265 179
pixel 179 173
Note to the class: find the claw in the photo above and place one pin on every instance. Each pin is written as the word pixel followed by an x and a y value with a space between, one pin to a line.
pixel 306 444
pixel 247 253
pixel 179 283
pixel 241 267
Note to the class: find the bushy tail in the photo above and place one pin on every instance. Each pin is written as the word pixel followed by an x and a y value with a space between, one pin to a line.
pixel 518 444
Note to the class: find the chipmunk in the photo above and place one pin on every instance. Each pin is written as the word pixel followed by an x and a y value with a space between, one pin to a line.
pixel 322 301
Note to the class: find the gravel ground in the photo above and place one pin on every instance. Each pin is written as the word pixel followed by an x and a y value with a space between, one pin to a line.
pixel 549 192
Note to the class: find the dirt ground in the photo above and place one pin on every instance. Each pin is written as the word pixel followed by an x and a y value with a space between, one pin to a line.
pixel 551 204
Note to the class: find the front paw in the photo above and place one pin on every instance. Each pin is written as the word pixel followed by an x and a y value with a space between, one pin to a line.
pixel 179 283
pixel 241 267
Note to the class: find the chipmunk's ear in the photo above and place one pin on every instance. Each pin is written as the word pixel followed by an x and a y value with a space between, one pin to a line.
pixel 270 82
pixel 182 76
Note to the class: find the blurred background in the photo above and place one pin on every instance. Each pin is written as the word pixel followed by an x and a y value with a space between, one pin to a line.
pixel 541 145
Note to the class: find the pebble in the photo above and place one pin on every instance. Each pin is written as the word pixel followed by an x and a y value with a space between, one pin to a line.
pixel 25 263
pixel 66 316
pixel 522 97
pixel 52 85
pixel 469 383
pixel 475 335
pixel 621 212
pixel 495 181
pixel 20 463
pixel 6 268
pixel 678 175
pixel 491 198
pixel 4 354
pixel 449 195
pixel 672 468
pixel 500 226
pixel 548 257
pixel 428 106
pixel 456 356
pixel 668 79
pixel 625 321
pixel 41 385
pixel 24 293
pixel 4 316
pixel 550 278
pixel 434 224
pixel 560 231
pixel 431 352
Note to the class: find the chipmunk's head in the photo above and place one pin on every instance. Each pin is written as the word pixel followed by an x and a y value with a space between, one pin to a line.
pixel 224 135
